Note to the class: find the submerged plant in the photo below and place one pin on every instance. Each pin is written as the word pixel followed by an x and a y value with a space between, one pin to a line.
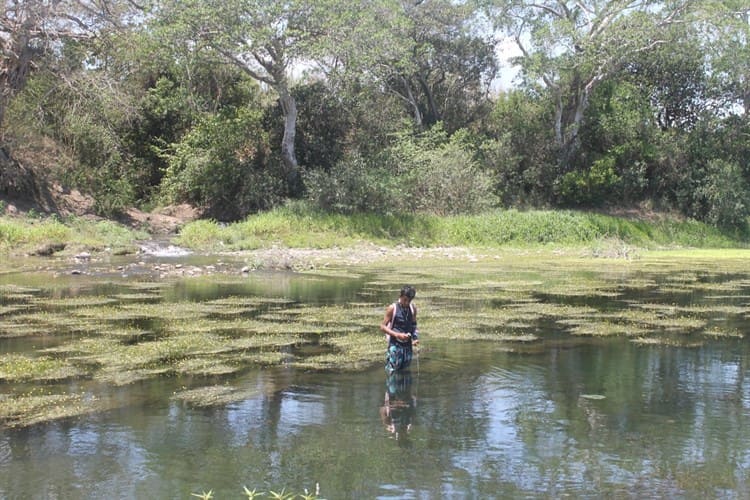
pixel 252 494
pixel 282 495
pixel 213 330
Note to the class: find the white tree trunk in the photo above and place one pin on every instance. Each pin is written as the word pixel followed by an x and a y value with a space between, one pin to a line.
pixel 288 155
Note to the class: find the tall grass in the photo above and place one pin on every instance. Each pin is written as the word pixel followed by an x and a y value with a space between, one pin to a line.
pixel 22 232
pixel 22 235
pixel 298 226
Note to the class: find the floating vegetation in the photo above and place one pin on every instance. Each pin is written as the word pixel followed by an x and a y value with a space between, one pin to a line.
pixel 71 302
pixel 211 329
pixel 16 292
pixel 726 286
pixel 135 297
pixel 665 341
pixel 17 330
pixel 12 309
pixel 204 367
pixel 29 409
pixel 239 302
pixel 723 333
pixel 678 324
pixel 576 290
pixel 606 329
pixel 213 395
pixel 21 368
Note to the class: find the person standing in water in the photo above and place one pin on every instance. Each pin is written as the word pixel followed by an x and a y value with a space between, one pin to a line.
pixel 400 327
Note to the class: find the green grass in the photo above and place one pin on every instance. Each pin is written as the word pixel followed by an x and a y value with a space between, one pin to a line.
pixel 298 227
pixel 25 235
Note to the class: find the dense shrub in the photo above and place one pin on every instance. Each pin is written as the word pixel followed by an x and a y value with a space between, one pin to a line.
pixel 519 149
pixel 591 187
pixel 723 196
pixel 430 173
pixel 222 165
pixel 353 186
pixel 447 180
pixel 440 174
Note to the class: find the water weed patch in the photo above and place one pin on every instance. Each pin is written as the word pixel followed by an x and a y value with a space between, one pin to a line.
pixel 88 335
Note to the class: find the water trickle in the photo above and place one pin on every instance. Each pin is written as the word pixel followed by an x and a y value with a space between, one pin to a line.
pixel 162 249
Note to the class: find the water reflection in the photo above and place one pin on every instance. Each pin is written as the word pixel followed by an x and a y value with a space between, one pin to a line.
pixel 615 420
pixel 399 405
pixel 571 417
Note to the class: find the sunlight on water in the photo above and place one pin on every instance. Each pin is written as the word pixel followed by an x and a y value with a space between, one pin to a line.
pixel 614 386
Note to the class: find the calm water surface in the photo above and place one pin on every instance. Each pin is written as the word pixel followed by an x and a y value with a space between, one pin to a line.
pixel 573 418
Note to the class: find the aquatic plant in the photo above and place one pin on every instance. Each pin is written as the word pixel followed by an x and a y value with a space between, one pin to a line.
pixel 21 368
pixel 516 302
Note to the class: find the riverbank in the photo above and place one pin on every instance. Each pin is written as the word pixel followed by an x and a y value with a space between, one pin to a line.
pixel 296 238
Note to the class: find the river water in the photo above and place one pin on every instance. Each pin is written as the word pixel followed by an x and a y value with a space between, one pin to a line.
pixel 574 417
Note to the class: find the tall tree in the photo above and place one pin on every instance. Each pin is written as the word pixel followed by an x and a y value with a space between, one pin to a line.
pixel 30 31
pixel 674 78
pixel 569 47
pixel 445 69
pixel 728 48
pixel 266 39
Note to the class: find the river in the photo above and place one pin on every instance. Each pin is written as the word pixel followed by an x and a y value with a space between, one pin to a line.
pixel 548 413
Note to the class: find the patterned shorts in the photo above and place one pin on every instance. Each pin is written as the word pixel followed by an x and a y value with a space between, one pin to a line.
pixel 398 357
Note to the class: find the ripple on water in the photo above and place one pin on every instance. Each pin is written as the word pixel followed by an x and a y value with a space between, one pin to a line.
pixel 6 454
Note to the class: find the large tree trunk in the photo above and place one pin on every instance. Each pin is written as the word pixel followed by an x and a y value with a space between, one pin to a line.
pixel 288 155
pixel 14 69
pixel 569 117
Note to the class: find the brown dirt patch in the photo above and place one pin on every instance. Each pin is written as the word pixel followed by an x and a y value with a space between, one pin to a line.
pixel 164 220
pixel 71 202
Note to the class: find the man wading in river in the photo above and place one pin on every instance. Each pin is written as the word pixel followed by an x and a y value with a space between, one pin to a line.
pixel 400 327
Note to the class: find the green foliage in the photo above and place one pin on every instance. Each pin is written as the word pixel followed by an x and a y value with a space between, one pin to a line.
pixel 520 228
pixel 10 233
pixel 444 65
pixel 24 235
pixel 352 186
pixel 592 187
pixel 642 109
pixel 445 179
pixel 723 196
pixel 673 77
pixel 323 122
pixel 439 174
pixel 202 233
pixel 520 149
pixel 221 165
pixel 429 173
pixel 300 225
pixel 618 140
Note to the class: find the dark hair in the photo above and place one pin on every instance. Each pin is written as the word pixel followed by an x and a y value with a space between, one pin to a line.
pixel 408 291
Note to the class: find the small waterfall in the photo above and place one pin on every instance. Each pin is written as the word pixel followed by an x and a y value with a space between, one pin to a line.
pixel 162 249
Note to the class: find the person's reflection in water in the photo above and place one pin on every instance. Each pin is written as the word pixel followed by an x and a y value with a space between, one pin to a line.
pixel 400 405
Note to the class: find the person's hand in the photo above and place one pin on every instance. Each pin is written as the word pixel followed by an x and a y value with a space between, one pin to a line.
pixel 416 342
pixel 403 337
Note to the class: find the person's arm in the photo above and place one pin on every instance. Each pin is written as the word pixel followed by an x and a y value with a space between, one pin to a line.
pixel 387 330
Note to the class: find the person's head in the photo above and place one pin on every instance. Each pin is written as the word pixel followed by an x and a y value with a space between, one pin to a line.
pixel 408 292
